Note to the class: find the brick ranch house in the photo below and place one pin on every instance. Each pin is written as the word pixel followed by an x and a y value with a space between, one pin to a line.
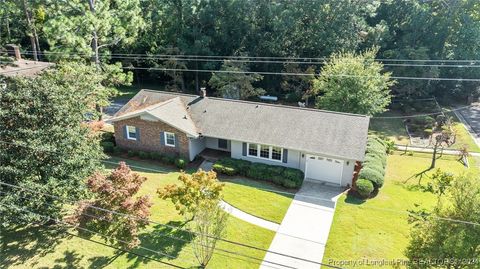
pixel 325 145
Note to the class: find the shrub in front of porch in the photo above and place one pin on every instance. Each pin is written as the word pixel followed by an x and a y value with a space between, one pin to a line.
pixel 286 177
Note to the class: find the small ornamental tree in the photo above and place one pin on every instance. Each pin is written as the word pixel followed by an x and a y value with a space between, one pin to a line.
pixel 443 136
pixel 209 224
pixel 115 192
pixel 197 188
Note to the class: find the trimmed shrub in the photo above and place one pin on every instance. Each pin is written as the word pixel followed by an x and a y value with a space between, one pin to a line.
pixel 156 156
pixel 143 155
pixel 132 153
pixel 287 177
pixel 168 159
pixel 117 150
pixel 258 171
pixel 242 166
pixel 107 137
pixel 294 175
pixel 289 184
pixel 107 146
pixel 375 176
pixel 180 163
pixel 364 187
pixel 375 160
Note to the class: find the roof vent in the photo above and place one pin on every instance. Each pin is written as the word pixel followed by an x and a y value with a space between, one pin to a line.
pixel 185 117
pixel 203 92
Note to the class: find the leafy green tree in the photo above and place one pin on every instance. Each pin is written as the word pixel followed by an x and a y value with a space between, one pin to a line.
pixel 353 83
pixel 87 27
pixel 297 86
pixel 96 86
pixel 115 192
pixel 434 237
pixel 235 85
pixel 198 188
pixel 44 146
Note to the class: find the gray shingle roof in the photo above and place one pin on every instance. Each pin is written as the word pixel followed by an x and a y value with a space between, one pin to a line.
pixel 309 130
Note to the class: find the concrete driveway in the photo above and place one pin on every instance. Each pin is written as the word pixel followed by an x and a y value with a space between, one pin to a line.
pixel 304 230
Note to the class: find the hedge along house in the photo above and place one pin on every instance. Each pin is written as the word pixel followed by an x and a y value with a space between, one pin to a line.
pixel 324 145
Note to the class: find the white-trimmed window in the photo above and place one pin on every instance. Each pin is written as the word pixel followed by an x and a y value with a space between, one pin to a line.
pixel 265 152
pixel 277 153
pixel 170 139
pixel 131 132
pixel 253 150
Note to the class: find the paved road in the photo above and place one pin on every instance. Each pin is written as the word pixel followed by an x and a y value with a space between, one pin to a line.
pixel 470 117
pixel 115 106
pixel 304 230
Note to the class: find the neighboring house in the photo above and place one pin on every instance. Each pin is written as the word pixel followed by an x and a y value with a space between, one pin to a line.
pixel 325 145
pixel 21 67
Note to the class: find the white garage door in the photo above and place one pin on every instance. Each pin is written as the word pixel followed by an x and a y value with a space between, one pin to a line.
pixel 324 169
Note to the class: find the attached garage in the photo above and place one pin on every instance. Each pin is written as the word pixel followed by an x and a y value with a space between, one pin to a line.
pixel 324 169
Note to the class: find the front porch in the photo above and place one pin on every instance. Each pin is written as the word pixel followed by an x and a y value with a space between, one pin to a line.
pixel 213 154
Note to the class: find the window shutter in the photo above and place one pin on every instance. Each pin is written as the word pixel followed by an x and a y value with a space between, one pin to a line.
pixel 125 131
pixel 244 149
pixel 177 143
pixel 162 138
pixel 285 156
pixel 137 130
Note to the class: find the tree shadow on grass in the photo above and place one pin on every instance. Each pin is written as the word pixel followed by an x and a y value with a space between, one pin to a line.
pixel 71 259
pixel 20 244
pixel 164 240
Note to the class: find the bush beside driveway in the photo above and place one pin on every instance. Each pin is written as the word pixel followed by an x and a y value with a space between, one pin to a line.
pixel 378 228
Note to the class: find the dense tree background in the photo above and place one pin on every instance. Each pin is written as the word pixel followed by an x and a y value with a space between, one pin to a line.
pixel 402 29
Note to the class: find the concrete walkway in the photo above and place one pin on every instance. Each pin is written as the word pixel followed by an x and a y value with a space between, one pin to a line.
pixel 304 230
pixel 206 165
pixel 430 150
pixel 272 226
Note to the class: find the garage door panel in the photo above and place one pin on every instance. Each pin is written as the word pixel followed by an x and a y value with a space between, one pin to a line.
pixel 324 169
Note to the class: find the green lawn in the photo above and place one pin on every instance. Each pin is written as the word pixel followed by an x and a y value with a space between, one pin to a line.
pixel 246 195
pixel 42 247
pixel 393 128
pixel 378 228
pixel 463 136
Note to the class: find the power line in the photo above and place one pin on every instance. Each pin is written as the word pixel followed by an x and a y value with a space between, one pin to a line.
pixel 256 57
pixel 295 74
pixel 179 239
pixel 264 189
pixel 244 60
pixel 277 73
pixel 173 227
pixel 93 232
pixel 166 225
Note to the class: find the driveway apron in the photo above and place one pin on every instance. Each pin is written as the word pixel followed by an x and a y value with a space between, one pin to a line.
pixel 300 241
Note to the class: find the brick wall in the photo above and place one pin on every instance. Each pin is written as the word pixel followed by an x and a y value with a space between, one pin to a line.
pixel 149 138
